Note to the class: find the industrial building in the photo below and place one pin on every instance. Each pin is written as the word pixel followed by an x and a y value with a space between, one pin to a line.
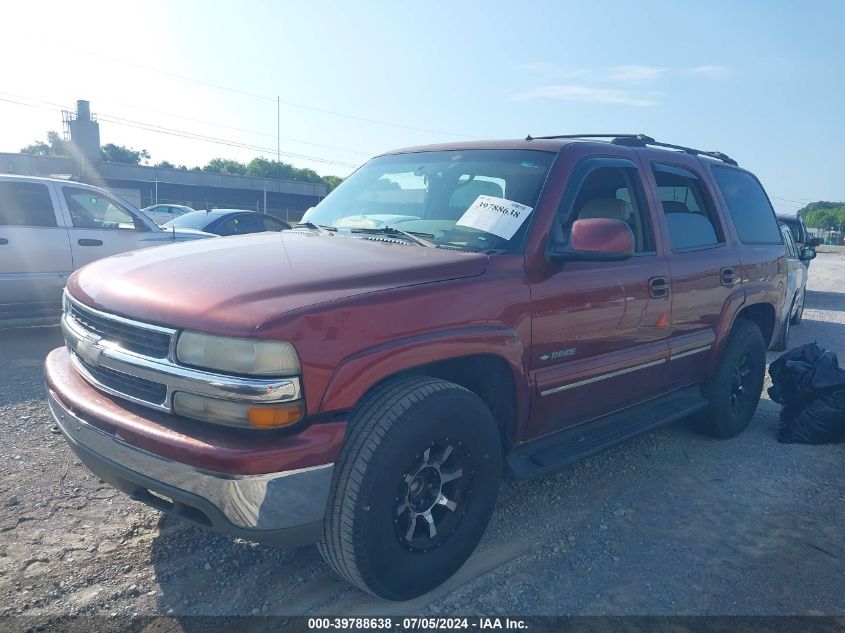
pixel 143 186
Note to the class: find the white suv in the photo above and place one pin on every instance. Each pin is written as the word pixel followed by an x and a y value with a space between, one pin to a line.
pixel 49 228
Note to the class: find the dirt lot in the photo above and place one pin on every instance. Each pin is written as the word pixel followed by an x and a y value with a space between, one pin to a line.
pixel 670 523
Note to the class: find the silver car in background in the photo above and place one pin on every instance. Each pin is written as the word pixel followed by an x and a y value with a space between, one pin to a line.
pixel 797 260
pixel 161 213
pixel 49 228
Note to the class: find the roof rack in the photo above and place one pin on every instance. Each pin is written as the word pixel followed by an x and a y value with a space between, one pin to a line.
pixel 641 140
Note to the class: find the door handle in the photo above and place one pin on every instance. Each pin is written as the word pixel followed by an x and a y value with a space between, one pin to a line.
pixel 727 277
pixel 658 287
pixel 87 242
pixel 3 241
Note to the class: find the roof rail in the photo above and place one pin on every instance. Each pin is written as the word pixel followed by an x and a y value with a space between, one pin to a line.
pixel 641 140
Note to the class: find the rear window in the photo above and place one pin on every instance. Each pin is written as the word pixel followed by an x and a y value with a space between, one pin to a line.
pixel 26 204
pixel 749 206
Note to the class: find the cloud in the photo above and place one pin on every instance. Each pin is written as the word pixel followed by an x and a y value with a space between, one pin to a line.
pixel 634 74
pixel 710 72
pixel 628 74
pixel 607 84
pixel 570 92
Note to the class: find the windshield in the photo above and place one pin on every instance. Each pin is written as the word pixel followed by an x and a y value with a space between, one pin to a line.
pixel 472 199
pixel 192 220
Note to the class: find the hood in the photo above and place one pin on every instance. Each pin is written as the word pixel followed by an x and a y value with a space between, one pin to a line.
pixel 230 285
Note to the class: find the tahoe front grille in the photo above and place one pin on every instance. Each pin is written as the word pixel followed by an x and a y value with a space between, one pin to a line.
pixel 129 337
pixel 132 386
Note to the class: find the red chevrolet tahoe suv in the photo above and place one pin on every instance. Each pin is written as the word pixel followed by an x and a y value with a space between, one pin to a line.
pixel 450 316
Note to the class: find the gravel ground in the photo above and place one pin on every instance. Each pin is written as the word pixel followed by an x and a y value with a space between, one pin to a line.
pixel 670 523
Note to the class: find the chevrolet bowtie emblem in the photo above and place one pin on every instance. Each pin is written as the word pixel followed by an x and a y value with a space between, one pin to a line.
pixel 89 351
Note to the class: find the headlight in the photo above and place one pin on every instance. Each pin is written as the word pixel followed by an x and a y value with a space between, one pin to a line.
pixel 250 357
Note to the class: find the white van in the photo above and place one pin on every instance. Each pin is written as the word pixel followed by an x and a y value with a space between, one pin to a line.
pixel 49 228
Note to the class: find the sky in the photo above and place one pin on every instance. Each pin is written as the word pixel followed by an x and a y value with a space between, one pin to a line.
pixel 763 81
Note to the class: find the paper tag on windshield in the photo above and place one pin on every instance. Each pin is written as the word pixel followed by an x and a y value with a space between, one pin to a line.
pixel 495 215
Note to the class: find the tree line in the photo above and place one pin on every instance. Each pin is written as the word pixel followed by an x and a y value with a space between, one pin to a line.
pixel 824 215
pixel 259 167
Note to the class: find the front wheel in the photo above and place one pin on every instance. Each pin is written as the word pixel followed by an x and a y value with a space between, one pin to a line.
pixel 733 390
pixel 414 487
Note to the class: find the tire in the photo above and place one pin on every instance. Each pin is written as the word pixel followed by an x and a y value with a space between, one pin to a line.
pixel 733 391
pixel 376 533
pixel 782 341
pixel 799 314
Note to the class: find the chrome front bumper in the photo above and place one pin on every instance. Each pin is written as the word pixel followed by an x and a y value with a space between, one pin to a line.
pixel 285 508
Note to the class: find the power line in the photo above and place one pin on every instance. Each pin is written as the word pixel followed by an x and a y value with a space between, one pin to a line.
pixel 105 117
pixel 247 131
pixel 180 133
pixel 212 139
pixel 271 99
pixel 802 201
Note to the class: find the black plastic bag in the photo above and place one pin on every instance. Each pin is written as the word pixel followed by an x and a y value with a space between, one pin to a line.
pixel 810 384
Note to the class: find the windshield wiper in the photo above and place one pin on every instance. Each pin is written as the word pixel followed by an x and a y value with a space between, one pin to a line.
pixel 416 238
pixel 320 228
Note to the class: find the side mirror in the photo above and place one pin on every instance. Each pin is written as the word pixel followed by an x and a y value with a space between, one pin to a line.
pixel 595 239
pixel 807 254
pixel 814 241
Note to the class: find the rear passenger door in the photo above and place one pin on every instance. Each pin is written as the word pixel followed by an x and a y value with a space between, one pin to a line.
pixel 35 256
pixel 703 265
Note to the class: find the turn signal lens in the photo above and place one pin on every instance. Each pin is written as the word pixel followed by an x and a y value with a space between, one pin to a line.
pixel 265 418
pixel 236 413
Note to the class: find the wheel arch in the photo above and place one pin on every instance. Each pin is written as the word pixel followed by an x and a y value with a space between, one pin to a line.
pixel 764 316
pixel 489 377
pixel 487 362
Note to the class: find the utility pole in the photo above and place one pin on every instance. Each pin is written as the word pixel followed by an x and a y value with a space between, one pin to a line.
pixel 279 150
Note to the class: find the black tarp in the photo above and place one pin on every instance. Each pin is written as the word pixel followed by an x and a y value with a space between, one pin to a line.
pixel 810 385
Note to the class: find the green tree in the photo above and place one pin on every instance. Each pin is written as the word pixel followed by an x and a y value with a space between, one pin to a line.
pixel 259 167
pixel 820 206
pixel 819 219
pixel 332 181
pixel 112 153
pixel 54 146
pixel 225 166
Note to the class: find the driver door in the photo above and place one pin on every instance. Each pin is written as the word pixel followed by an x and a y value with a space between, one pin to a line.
pixel 599 329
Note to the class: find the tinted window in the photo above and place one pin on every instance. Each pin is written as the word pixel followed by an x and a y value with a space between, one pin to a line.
pixel 689 211
pixel 615 193
pixel 750 209
pixel 93 210
pixel 796 227
pixel 192 220
pixel 250 223
pixel 791 249
pixel 26 204
pixel 240 224
pixel 271 224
